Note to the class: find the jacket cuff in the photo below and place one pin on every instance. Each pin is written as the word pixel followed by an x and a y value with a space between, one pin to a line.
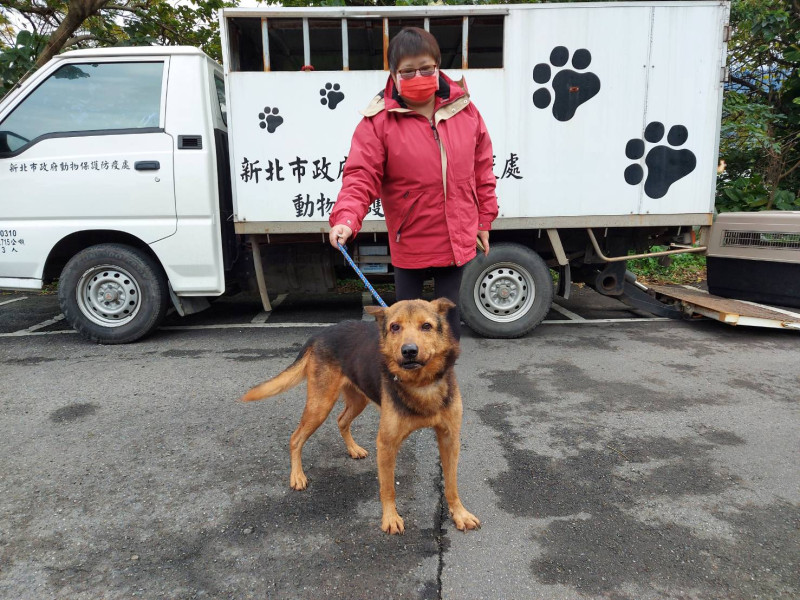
pixel 349 220
pixel 484 224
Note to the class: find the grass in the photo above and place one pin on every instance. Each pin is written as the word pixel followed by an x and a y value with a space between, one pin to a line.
pixel 679 269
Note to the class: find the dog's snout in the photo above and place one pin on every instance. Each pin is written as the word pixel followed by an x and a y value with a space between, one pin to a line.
pixel 409 351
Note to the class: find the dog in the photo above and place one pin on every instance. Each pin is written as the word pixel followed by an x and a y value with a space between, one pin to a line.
pixel 403 362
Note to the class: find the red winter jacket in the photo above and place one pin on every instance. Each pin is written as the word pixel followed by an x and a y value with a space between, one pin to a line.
pixel 435 180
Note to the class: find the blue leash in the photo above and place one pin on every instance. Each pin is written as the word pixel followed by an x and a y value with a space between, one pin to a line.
pixel 361 275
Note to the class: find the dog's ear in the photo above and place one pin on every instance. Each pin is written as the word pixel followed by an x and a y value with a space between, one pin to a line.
pixel 443 305
pixel 376 311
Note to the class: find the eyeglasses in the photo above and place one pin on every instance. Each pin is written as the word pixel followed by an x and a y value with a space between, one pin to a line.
pixel 425 71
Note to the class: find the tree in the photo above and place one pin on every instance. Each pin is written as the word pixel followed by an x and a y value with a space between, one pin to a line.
pixel 760 139
pixel 55 25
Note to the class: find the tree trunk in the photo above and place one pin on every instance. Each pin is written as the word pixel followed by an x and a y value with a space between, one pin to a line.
pixel 772 175
pixel 77 12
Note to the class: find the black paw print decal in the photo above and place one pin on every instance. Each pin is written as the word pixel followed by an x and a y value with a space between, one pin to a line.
pixel 665 165
pixel 269 119
pixel 570 87
pixel 331 96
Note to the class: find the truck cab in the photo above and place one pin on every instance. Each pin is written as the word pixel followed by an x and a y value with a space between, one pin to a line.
pixel 114 178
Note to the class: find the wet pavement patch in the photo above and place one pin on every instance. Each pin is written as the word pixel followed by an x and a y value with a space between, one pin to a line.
pixel 609 395
pixel 236 530
pixel 177 353
pixel 595 543
pixel 514 383
pixel 28 361
pixel 720 437
pixel 254 354
pixel 310 544
pixel 72 412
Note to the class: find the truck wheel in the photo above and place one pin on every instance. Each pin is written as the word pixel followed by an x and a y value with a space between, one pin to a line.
pixel 506 294
pixel 113 294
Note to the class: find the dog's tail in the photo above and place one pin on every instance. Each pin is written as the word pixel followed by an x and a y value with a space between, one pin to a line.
pixel 290 377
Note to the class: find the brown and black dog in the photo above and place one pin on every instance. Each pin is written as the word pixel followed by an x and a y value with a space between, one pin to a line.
pixel 404 363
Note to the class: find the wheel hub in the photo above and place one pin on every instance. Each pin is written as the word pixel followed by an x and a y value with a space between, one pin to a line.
pixel 504 292
pixel 108 295
pixel 111 293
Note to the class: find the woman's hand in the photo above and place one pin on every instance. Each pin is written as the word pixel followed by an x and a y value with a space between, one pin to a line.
pixel 339 234
pixel 483 236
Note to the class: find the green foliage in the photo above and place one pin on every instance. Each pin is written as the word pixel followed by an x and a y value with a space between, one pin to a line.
pixel 17 59
pixel 121 23
pixel 751 194
pixel 677 268
pixel 760 135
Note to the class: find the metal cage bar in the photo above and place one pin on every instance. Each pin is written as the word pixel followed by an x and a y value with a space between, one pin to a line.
pixel 306 44
pixel 345 47
pixel 762 239
pixel 265 43
pixel 464 42
pixel 385 44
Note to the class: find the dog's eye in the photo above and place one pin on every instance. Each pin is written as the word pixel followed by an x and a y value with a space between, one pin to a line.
pixel 394 327
pixel 427 327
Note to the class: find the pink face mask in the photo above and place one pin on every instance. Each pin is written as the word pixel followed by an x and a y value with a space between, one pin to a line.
pixel 419 89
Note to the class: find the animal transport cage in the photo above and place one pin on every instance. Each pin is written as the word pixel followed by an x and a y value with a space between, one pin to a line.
pixel 756 256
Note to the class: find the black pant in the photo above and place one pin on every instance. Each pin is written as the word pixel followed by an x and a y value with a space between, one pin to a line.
pixel 446 283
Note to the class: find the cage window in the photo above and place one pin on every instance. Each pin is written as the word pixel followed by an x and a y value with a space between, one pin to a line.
pixel 397 25
pixel 326 44
pixel 478 39
pixel 365 39
pixel 448 32
pixel 486 42
pixel 246 47
pixel 286 51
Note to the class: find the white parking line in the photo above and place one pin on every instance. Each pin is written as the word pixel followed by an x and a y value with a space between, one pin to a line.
pixel 32 331
pixel 244 326
pixel 34 328
pixel 603 321
pixel 566 312
pixel 25 333
pixel 14 300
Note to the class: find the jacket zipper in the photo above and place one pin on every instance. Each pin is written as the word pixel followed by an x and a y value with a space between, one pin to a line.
pixel 408 214
pixel 442 154
pixel 435 131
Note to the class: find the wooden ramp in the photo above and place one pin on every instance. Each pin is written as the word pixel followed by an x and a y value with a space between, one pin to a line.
pixel 732 312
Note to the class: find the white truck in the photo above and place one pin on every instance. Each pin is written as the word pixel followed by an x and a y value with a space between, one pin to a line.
pixel 144 176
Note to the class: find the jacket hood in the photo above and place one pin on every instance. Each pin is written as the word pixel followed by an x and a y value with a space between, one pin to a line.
pixel 388 99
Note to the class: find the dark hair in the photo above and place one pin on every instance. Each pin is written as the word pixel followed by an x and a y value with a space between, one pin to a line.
pixel 412 41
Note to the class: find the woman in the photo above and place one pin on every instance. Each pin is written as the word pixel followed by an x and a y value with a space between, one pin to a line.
pixel 422 147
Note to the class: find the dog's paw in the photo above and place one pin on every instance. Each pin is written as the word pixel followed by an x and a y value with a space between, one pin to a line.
pixel 356 451
pixel 393 524
pixel 298 481
pixel 465 520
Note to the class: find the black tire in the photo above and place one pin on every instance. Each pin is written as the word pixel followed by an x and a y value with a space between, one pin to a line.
pixel 113 293
pixel 506 294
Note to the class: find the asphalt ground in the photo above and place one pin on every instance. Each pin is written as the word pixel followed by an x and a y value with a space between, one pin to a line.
pixel 625 459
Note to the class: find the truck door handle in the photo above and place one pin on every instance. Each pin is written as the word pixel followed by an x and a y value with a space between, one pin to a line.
pixel 147 165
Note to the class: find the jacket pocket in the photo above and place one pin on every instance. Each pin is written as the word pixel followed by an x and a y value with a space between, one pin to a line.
pixel 406 218
pixel 474 193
